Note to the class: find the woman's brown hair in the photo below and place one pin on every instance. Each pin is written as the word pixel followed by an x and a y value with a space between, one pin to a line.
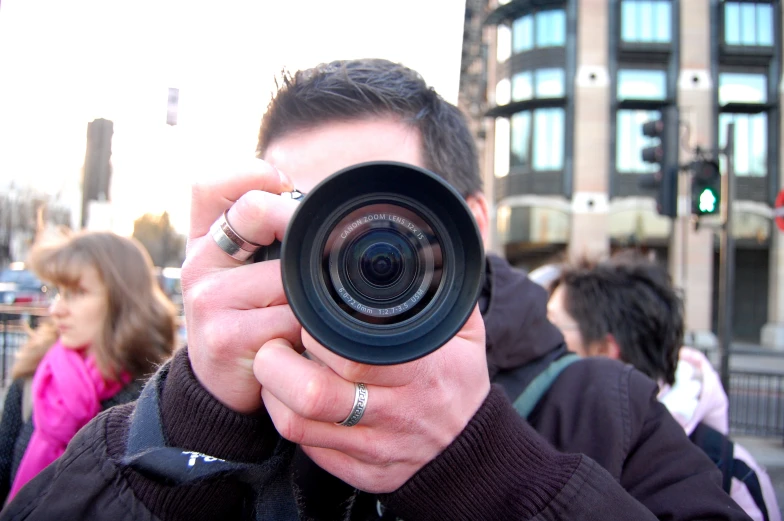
pixel 139 333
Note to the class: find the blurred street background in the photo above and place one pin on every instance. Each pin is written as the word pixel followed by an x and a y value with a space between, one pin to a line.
pixel 601 125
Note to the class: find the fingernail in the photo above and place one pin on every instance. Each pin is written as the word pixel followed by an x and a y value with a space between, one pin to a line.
pixel 286 183
pixel 281 342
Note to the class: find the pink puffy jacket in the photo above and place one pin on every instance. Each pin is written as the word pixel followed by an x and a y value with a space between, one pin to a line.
pixel 698 396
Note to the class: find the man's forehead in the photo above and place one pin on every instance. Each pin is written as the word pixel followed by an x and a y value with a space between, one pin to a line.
pixel 308 156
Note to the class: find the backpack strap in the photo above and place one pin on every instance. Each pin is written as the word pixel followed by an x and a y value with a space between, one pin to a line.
pixel 748 477
pixel 719 449
pixel 148 453
pixel 534 391
pixel 514 381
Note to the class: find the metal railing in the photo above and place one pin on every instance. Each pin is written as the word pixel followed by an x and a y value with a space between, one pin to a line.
pixel 16 322
pixel 757 403
pixel 756 397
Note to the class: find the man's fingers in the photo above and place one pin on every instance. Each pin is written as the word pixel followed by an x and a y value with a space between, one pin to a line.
pixel 261 217
pixel 257 217
pixel 374 477
pixel 243 332
pixel 394 375
pixel 386 375
pixel 309 389
pixel 209 200
pixel 254 286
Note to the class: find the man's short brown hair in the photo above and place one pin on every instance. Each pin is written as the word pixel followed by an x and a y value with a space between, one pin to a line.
pixel 357 89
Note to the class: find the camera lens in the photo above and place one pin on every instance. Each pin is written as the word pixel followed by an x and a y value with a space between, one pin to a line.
pixel 381 264
pixel 378 266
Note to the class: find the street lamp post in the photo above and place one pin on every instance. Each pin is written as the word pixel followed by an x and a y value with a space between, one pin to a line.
pixel 727 260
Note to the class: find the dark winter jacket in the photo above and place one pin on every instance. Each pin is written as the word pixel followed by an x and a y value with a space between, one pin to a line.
pixel 598 446
pixel 16 430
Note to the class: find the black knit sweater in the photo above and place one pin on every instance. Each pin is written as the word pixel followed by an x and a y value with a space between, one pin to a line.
pixel 15 432
pixel 598 446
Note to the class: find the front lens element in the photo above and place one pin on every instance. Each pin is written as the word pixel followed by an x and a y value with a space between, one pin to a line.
pixel 382 264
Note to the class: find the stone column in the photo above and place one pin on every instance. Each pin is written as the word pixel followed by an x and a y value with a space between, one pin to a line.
pixel 590 221
pixel 692 269
pixel 772 335
pixel 486 158
pixel 773 332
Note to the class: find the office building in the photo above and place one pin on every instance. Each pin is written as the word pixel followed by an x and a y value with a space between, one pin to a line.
pixel 558 92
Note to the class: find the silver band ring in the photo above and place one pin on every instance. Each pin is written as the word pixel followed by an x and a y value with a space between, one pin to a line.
pixel 230 241
pixel 360 402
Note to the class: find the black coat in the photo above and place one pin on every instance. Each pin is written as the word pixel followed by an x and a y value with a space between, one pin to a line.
pixel 597 446
pixel 16 431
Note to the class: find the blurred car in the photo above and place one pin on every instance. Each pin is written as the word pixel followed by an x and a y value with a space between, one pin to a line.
pixel 170 282
pixel 21 286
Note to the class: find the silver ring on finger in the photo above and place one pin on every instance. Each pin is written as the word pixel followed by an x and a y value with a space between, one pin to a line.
pixel 230 241
pixel 360 403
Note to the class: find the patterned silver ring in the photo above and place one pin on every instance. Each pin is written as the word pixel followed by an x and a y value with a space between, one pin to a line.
pixel 230 241
pixel 360 402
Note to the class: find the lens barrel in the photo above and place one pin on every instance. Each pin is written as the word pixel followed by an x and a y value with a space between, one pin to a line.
pixel 382 262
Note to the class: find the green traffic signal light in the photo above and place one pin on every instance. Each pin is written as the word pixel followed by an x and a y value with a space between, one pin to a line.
pixel 708 202
pixel 705 188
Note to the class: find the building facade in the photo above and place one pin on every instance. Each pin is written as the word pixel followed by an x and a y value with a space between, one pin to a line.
pixel 558 91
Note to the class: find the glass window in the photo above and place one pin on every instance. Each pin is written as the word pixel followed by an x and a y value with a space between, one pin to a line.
pixel 742 88
pixel 543 29
pixel 502 217
pixel 503 92
pixel 542 83
pixel 751 142
pixel 549 83
pixel 764 24
pixel 501 162
pixel 630 141
pixel 731 23
pixel 503 42
pixel 748 23
pixel 642 84
pixel 550 28
pixel 521 139
pixel 522 86
pixel 548 139
pixel 537 139
pixel 646 21
pixel 523 34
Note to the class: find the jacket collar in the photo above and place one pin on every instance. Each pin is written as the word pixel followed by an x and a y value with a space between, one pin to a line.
pixel 514 309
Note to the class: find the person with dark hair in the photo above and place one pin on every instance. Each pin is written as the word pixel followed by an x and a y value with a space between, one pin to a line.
pixel 626 308
pixel 110 327
pixel 240 425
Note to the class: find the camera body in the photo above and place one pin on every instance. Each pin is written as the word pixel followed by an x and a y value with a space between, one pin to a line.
pixel 382 262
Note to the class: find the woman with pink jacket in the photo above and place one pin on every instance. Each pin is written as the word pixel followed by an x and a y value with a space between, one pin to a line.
pixel 109 328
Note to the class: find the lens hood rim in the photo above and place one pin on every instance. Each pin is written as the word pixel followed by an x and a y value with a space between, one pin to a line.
pixel 454 220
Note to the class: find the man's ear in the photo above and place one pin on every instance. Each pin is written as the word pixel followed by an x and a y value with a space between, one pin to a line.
pixel 478 206
pixel 608 347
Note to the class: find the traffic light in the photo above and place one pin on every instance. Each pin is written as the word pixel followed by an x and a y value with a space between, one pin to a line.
pixel 665 181
pixel 654 129
pixel 705 188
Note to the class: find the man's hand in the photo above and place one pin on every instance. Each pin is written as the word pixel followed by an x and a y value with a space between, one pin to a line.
pixel 232 308
pixel 414 410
